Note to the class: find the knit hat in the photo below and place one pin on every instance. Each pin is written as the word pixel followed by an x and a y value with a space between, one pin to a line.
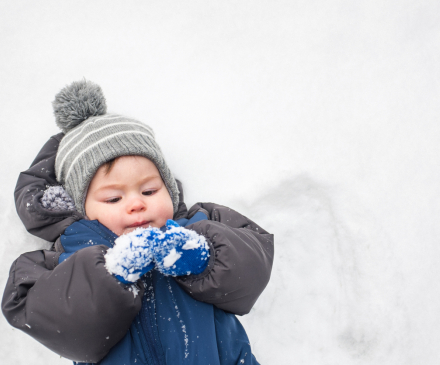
pixel 93 138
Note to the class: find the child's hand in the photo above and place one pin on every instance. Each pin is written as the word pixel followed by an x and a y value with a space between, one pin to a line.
pixel 179 251
pixel 132 255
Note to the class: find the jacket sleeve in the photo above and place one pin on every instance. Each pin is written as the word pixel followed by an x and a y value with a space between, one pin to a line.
pixel 41 299
pixel 29 189
pixel 240 262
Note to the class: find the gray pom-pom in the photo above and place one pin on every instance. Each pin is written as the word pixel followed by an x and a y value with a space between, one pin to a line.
pixel 77 102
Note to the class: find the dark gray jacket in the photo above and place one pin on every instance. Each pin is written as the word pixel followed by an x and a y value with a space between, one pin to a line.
pixel 41 292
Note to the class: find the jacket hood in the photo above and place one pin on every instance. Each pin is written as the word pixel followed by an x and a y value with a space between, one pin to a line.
pixel 42 204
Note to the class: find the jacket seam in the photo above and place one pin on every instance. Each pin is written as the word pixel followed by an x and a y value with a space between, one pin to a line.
pixel 14 271
pixel 55 137
pixel 55 259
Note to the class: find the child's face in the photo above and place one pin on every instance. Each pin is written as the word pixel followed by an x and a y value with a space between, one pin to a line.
pixel 131 195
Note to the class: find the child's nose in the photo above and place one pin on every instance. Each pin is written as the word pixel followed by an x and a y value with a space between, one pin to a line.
pixel 136 205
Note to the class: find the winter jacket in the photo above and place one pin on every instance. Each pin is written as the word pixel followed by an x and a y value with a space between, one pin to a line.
pixel 171 327
pixel 238 271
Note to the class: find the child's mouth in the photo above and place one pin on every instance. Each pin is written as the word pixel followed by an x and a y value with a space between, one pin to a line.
pixel 143 224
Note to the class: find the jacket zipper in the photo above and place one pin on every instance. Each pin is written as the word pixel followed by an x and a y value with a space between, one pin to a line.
pixel 150 339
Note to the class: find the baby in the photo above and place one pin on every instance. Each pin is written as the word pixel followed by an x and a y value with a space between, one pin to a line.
pixel 133 277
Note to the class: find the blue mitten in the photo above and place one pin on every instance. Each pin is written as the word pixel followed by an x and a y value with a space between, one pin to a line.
pixel 132 255
pixel 179 251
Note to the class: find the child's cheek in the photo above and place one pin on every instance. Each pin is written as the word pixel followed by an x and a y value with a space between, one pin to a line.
pixel 167 211
pixel 111 219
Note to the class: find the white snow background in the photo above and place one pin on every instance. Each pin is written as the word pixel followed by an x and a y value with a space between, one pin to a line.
pixel 317 119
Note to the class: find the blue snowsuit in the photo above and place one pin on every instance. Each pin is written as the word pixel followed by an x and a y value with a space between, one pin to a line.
pixel 171 327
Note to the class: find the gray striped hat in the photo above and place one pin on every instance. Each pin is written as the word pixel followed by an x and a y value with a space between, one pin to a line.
pixel 93 138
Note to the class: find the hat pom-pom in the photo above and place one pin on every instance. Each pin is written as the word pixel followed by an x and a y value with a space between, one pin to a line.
pixel 77 102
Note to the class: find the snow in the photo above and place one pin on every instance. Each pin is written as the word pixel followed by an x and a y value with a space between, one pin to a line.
pixel 171 258
pixel 134 290
pixel 191 244
pixel 318 120
pixel 130 254
pixel 183 326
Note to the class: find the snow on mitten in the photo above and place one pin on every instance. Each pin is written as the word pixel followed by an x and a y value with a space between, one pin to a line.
pixel 179 251
pixel 132 255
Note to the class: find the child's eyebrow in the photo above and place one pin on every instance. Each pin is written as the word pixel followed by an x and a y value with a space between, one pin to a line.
pixel 117 186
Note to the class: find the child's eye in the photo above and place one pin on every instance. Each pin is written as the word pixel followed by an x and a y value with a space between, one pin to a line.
pixel 148 192
pixel 113 200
